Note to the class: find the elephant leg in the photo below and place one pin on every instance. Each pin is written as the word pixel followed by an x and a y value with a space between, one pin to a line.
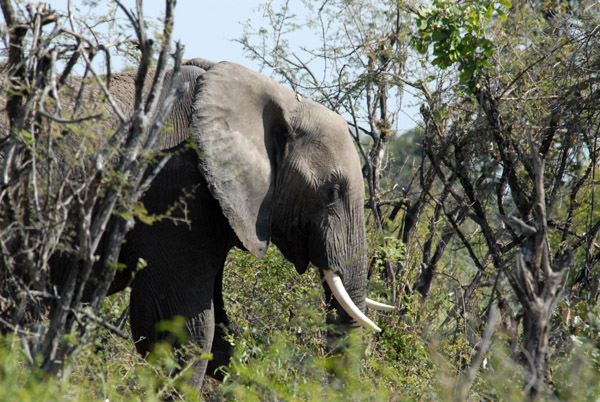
pixel 156 298
pixel 221 348
pixel 201 330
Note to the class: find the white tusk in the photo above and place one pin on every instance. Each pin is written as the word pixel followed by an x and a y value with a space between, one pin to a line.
pixel 375 305
pixel 337 288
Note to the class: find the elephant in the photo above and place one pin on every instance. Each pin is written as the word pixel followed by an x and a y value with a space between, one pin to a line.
pixel 259 164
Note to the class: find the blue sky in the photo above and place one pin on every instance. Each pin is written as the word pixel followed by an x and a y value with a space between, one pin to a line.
pixel 209 29
pixel 206 30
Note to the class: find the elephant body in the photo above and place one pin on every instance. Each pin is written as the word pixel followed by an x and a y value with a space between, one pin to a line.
pixel 263 165
pixel 197 248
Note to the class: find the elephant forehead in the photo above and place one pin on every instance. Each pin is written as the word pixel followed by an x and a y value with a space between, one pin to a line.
pixel 321 161
pixel 333 146
pixel 315 117
pixel 326 130
pixel 331 151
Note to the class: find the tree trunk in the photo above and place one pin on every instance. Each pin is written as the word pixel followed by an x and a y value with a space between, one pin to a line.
pixel 535 347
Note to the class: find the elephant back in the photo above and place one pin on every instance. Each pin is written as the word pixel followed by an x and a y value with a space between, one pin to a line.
pixel 175 131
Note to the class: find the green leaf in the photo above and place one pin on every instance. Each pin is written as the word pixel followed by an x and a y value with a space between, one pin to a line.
pixel 439 36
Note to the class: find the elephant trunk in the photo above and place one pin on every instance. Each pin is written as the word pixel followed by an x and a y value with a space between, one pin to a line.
pixel 346 269
pixel 345 301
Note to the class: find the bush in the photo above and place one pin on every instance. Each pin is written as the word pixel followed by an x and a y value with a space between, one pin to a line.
pixel 279 353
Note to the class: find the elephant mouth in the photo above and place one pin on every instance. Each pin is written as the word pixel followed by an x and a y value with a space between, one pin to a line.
pixel 343 298
pixel 294 254
pixel 301 260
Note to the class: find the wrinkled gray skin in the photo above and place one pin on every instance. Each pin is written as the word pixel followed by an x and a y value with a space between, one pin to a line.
pixel 269 167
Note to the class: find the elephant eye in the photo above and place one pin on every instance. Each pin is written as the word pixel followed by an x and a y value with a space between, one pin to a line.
pixel 335 192
pixel 334 189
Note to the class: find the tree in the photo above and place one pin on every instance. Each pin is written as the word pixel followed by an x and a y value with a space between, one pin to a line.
pixel 72 168
pixel 523 139
pixel 509 154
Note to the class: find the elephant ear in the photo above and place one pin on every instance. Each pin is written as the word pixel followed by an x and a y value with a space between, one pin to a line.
pixel 238 123
pixel 178 122
pixel 200 62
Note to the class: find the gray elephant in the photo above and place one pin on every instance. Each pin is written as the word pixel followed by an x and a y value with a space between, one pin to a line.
pixel 265 165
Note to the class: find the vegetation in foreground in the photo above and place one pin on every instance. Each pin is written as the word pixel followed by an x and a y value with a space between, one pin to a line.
pixel 277 317
pixel 483 220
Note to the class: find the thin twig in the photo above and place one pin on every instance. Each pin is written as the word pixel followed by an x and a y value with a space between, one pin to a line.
pixel 105 324
pixel 469 375
pixel 68 121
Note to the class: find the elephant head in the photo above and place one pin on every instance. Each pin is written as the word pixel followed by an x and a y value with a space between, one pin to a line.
pixel 284 169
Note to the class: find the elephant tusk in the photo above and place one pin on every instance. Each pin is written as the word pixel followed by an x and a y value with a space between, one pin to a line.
pixel 375 305
pixel 341 295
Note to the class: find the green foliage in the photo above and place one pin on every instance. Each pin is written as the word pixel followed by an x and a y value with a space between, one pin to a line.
pixel 457 32
pixel 279 350
pixel 279 354
pixel 268 294
pixel 403 161
pixel 284 372
pixel 106 367
pixel 501 379
pixel 19 382
pixel 524 62
pixel 278 320
pixel 391 251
